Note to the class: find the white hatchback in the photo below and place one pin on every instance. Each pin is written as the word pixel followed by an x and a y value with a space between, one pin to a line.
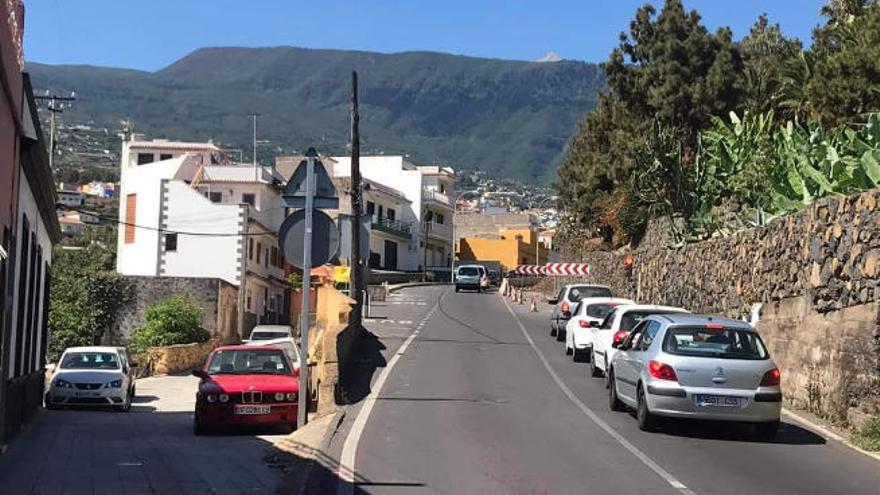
pixel 91 376
pixel 615 327
pixel 589 312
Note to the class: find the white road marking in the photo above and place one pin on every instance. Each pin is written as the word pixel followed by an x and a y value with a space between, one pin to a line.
pixel 345 485
pixel 678 485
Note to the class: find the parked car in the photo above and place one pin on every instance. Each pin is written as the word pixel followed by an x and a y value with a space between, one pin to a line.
pixel 246 385
pixel 589 312
pixel 564 302
pixel 471 277
pixel 287 344
pixel 91 376
pixel 615 327
pixel 270 332
pixel 701 367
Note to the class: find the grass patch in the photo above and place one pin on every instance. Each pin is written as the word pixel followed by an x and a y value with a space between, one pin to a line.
pixel 868 437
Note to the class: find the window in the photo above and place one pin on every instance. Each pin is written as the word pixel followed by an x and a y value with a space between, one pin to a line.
pixel 251 248
pixel 130 217
pixel 439 218
pixel 371 208
pixel 145 158
pixel 165 156
pixel 380 212
pixel 266 258
pixel 391 214
pixel 171 242
pixel 215 197
pixel 248 198
pixel 599 311
pixel 724 343
pixel 274 256
pixel 248 299
pixel 442 188
pixel 651 329
pixel 259 252
pixel 579 292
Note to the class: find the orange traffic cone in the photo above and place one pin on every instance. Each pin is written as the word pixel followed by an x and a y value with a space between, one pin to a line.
pixel 533 308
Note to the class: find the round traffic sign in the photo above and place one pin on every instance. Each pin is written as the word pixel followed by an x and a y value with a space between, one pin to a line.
pixel 325 238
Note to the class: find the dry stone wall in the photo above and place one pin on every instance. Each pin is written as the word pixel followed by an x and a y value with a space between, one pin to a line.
pixel 815 274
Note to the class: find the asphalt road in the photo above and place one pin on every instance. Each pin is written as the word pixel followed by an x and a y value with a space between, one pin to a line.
pixel 473 406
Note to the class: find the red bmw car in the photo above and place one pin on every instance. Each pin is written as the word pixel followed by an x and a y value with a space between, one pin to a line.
pixel 246 385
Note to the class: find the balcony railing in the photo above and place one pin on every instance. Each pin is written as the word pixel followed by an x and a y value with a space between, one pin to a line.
pixel 440 230
pixel 436 196
pixel 394 227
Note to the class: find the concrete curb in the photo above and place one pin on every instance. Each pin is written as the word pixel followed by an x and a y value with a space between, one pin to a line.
pixel 305 448
pixel 396 287
pixel 828 433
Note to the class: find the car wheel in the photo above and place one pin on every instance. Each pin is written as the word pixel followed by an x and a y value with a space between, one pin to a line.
pixel 647 421
pixel 568 350
pixel 126 406
pixel 552 330
pixel 457 289
pixel 613 401
pixel 595 372
pixel 198 428
pixel 48 402
pixel 766 432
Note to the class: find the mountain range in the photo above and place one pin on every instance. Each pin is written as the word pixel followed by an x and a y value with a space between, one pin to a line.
pixel 512 119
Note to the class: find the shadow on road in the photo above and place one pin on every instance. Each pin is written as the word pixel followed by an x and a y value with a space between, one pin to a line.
pixel 355 376
pixel 789 433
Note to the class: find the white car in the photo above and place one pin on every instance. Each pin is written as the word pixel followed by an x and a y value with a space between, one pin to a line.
pixel 589 312
pixel 287 344
pixel 270 332
pixel 615 327
pixel 91 376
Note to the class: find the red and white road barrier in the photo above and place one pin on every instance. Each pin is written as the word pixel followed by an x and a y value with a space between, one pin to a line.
pixel 554 270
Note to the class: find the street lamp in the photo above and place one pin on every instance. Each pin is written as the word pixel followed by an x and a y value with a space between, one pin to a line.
pixel 454 210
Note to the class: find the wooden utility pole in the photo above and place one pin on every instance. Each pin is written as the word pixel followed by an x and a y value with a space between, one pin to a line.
pixel 54 108
pixel 356 282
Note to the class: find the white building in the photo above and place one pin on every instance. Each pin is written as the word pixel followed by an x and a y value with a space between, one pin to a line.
pixel 187 211
pixel 428 191
pixel 71 198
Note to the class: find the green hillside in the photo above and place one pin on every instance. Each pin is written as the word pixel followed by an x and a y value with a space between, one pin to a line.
pixel 509 118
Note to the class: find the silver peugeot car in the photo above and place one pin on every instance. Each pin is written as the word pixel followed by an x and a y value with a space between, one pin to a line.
pixel 690 366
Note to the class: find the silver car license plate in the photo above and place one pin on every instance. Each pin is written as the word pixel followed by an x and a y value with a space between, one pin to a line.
pixel 248 409
pixel 703 400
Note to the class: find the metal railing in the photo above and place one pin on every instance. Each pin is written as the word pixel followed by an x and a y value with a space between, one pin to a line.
pixel 437 229
pixel 396 227
pixel 431 194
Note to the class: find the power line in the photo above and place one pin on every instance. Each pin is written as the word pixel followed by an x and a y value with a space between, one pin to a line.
pixel 165 231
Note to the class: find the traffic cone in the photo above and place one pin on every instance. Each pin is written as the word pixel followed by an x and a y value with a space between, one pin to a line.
pixel 519 298
pixel 533 308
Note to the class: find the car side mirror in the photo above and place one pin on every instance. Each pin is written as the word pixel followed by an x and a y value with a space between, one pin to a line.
pixel 200 373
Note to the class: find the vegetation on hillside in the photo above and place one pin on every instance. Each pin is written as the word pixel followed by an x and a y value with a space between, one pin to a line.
pixel 509 118
pixel 717 134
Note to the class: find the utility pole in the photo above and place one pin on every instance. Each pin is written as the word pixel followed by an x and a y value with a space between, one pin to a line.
pixel 357 272
pixel 54 108
pixel 254 116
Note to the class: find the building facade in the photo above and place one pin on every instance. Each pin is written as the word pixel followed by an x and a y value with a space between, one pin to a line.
pixel 428 193
pixel 187 211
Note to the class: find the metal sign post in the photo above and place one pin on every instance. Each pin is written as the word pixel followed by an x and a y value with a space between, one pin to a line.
pixel 301 409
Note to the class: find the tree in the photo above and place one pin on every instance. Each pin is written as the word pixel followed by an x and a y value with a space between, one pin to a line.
pixel 670 68
pixel 173 320
pixel 766 53
pixel 85 298
pixel 845 85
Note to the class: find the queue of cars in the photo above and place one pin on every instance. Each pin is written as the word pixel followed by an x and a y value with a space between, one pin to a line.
pixel 664 362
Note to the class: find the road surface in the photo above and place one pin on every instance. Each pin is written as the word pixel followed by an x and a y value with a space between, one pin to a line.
pixel 482 401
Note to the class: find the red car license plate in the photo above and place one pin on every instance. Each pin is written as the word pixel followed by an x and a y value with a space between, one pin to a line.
pixel 248 409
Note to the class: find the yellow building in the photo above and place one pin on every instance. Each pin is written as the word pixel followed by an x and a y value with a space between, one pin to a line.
pixel 510 247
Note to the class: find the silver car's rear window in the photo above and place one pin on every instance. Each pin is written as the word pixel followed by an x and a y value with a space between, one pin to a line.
pixel 725 343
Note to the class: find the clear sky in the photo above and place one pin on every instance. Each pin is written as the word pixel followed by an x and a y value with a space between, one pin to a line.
pixel 150 34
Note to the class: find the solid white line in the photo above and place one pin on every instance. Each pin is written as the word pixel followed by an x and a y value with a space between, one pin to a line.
pixel 345 485
pixel 678 485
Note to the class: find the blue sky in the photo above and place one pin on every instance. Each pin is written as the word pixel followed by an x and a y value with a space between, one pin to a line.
pixel 150 34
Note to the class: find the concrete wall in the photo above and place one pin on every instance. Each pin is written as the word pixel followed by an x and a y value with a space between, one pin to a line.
pixel 816 275
pixel 180 358
pixel 217 299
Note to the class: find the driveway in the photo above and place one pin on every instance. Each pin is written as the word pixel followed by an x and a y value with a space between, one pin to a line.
pixel 149 450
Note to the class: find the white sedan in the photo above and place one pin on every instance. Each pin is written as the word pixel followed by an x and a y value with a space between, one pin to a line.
pixel 91 376
pixel 588 313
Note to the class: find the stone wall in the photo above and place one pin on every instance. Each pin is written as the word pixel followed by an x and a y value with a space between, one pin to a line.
pixel 815 274
pixel 218 300
pixel 180 358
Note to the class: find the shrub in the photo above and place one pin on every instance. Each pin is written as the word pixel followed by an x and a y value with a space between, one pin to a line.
pixel 868 437
pixel 173 320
